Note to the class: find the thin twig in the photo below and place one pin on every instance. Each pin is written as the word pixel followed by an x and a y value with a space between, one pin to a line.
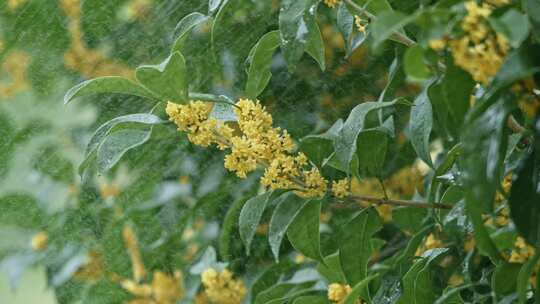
pixel 396 36
pixel 395 202
pixel 381 182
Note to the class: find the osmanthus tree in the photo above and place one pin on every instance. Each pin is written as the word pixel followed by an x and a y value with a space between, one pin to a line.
pixel 306 151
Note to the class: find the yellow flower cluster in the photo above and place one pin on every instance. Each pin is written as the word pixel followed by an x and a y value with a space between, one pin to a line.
pixel 164 289
pixel 521 252
pixel 15 65
pixel 89 62
pixel 341 188
pixel 481 51
pixel 258 144
pixel 221 288
pixel 39 241
pixel 430 242
pixel 331 3
pixel 193 119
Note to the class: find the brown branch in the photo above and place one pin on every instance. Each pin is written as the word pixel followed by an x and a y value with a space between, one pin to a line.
pixel 394 202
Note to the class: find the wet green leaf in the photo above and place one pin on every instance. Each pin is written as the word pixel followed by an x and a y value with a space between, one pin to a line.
pixel 303 232
pixel 107 84
pixel 289 206
pixel 169 80
pixel 260 60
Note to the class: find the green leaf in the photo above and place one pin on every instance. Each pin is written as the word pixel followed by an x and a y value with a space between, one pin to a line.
pixel 303 232
pixel 484 148
pixel 371 152
pixel 260 59
pixel 358 289
pixel 169 79
pixel 281 293
pixel 294 19
pixel 288 208
pixel 412 246
pixel 270 276
pixel 105 129
pixel 319 148
pixel 523 277
pixel 355 248
pixel 184 26
pixel 514 25
pixel 250 217
pixel 315 44
pixel 418 282
pixel 503 280
pixel 311 300
pixel 213 5
pixel 525 197
pixel 107 84
pixel 345 143
pixel 117 144
pixel 408 219
pixel 331 269
pixel 450 98
pixel 390 289
pixel 421 124
pixel 415 64
pixel 387 23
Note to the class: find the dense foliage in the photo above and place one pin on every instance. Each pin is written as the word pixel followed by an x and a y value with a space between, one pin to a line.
pixel 285 151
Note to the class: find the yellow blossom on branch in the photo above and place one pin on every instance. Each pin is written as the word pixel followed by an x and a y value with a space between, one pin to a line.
pixel 341 188
pixel 258 144
pixel 222 288
pixel 480 51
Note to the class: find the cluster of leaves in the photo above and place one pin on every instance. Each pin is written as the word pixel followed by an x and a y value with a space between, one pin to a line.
pixel 318 75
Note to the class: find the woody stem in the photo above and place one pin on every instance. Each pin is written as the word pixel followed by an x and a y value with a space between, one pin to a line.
pixel 394 202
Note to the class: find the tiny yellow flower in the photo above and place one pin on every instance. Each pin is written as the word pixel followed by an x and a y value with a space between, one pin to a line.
pixel 337 292
pixel 341 188
pixel 360 23
pixel 221 288
pixel 40 241
pixel 437 44
pixel 331 3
